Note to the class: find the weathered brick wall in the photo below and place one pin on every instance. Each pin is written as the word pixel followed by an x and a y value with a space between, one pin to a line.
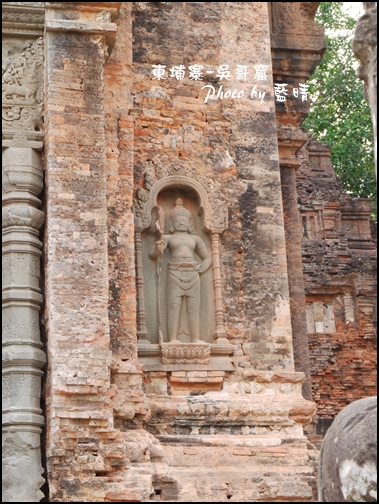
pixel 116 432
pixel 339 264
pixel 81 443
pixel 119 127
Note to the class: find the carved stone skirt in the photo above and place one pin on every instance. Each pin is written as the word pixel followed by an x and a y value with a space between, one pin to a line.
pixel 182 281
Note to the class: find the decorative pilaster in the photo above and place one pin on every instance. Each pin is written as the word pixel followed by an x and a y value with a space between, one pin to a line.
pixel 141 313
pixel 22 182
pixel 221 336
pixel 79 37
pixel 23 358
pixel 295 276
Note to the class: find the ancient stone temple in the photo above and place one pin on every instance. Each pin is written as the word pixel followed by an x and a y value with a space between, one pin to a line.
pixel 155 336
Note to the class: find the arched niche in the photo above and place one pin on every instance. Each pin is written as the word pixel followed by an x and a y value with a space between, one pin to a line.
pixel 152 225
pixel 178 183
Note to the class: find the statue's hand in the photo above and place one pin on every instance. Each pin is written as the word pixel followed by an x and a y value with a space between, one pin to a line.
pixel 199 268
pixel 161 246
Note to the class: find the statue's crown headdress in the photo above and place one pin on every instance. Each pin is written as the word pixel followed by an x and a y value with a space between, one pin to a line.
pixel 179 210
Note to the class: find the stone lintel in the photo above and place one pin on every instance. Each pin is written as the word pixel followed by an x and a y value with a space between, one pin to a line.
pixel 81 26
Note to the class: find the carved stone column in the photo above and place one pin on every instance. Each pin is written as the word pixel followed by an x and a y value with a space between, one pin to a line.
pixel 220 327
pixel 22 182
pixel 23 358
pixel 222 345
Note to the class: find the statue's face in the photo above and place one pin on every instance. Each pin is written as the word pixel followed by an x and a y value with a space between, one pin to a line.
pixel 181 223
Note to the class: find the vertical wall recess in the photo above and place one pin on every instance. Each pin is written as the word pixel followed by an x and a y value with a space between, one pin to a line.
pixel 304 52
pixel 22 183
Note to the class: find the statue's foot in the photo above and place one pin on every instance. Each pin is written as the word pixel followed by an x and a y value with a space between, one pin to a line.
pixel 199 342
pixel 175 341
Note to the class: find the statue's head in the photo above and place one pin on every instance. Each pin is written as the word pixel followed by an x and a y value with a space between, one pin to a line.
pixel 180 217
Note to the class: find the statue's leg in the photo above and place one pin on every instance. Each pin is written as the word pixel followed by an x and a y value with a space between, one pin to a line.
pixel 193 313
pixel 173 317
pixel 174 305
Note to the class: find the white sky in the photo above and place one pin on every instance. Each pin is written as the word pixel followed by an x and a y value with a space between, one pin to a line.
pixel 355 9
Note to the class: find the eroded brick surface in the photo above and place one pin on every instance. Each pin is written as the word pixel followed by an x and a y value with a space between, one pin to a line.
pixel 339 264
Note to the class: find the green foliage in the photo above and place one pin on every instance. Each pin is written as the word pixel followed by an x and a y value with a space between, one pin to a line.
pixel 340 115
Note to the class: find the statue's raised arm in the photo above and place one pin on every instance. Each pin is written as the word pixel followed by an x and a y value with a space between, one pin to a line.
pixel 159 247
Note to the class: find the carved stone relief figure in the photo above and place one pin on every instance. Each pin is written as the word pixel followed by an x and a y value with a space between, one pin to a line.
pixel 22 84
pixel 178 258
pixel 180 310
pixel 183 273
pixel 21 75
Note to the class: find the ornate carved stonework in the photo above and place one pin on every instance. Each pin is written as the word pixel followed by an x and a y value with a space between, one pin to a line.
pixel 15 263
pixel 22 357
pixel 22 85
pixel 252 408
pixel 22 182
pixel 20 18
pixel 21 331
pixel 20 384
pixel 191 353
